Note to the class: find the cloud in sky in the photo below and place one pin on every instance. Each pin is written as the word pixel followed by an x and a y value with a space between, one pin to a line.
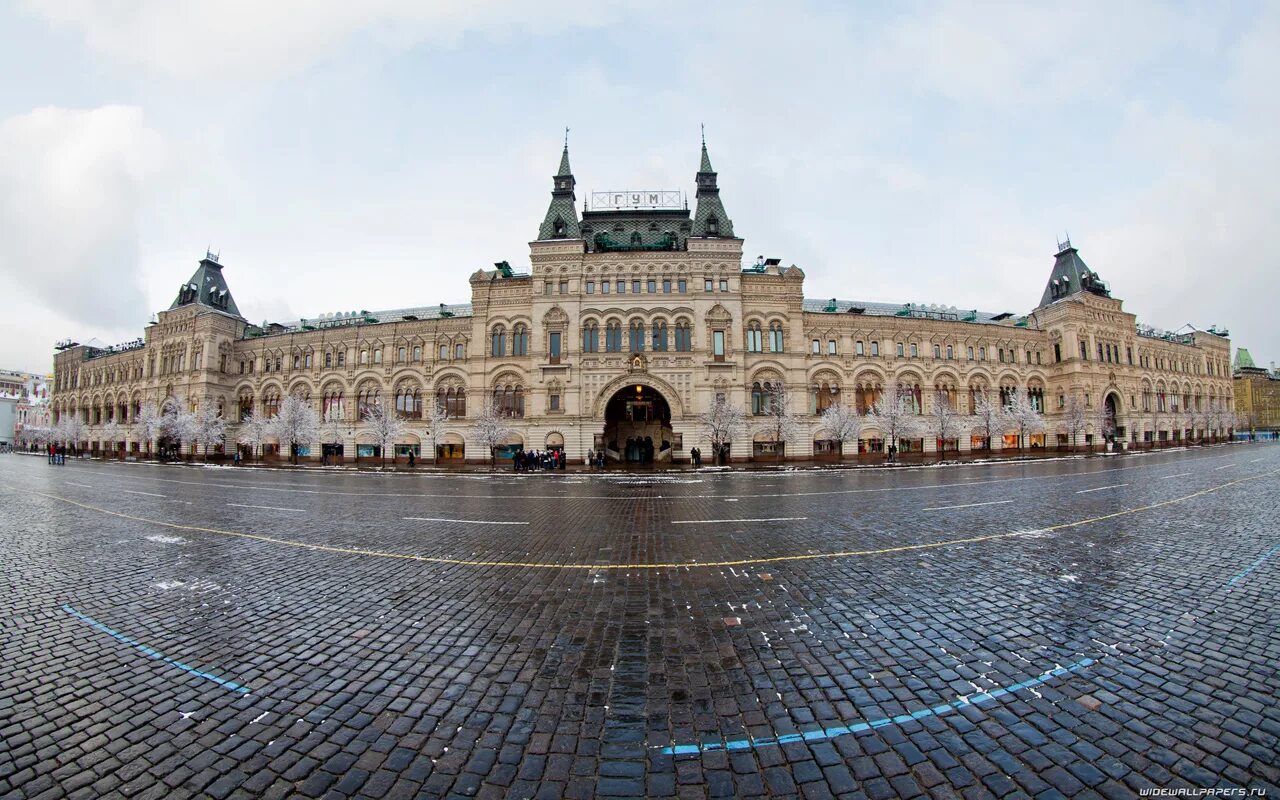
pixel 73 186
pixel 374 155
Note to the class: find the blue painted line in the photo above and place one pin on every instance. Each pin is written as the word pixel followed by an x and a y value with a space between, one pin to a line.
pixel 156 654
pixel 1244 572
pixel 859 727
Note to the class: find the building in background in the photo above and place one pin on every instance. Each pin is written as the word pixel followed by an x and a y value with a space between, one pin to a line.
pixel 1257 393
pixel 24 397
pixel 637 316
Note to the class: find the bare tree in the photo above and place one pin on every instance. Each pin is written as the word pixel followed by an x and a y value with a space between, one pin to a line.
pixel 254 431
pixel 1103 423
pixel 721 423
pixel 147 425
pixel 896 419
pixel 1024 416
pixel 844 423
pixel 944 421
pixel 437 416
pixel 1075 417
pixel 210 429
pixel 989 416
pixel 491 428
pixel 384 425
pixel 296 424
pixel 781 423
pixel 334 421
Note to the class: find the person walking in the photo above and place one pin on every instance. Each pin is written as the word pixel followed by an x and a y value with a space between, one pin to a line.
pixel 412 459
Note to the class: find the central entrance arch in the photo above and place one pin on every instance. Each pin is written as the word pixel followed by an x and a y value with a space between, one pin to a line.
pixel 637 425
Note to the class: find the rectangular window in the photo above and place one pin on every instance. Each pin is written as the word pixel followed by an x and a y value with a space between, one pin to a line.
pixel 546 288
pixel 564 287
pixel 377 356
pixel 553 347
pixel 1028 356
pixel 652 286
pixel 635 287
pixel 400 354
pixel 622 287
pixel 900 350
pixel 417 354
pixel 444 352
pixel 915 351
pixel 1099 351
pixel 682 286
pixel 605 286
pixel 857 348
pixel 816 347
pixel 831 347
pixel 342 359
pixel 717 345
pixel 937 351
pixel 459 350
pixel 553 402
pixel 724 284
pixel 707 285
pixel 875 348
pixel 1128 351
pixel 591 287
pixel 666 286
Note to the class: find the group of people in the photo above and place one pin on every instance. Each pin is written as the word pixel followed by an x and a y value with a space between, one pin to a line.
pixel 57 454
pixel 721 455
pixel 595 458
pixel 528 461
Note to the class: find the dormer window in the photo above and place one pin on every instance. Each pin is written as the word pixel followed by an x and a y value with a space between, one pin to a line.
pixel 713 226
pixel 559 227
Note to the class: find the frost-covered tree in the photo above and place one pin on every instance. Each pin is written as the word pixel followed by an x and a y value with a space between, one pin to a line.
pixel 844 423
pixel 210 429
pixel 177 425
pixel 147 426
pixel 437 417
pixel 780 421
pixel 70 431
pixel 384 425
pixel 944 421
pixel 1075 418
pixel 896 419
pixel 491 428
pixel 721 423
pixel 989 416
pixel 295 424
pixel 254 431
pixel 1103 424
pixel 109 436
pixel 1024 416
pixel 332 426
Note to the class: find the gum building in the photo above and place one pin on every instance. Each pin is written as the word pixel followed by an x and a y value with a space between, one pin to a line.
pixel 636 315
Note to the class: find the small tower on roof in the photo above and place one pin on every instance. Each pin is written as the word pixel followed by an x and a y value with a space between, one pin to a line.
pixel 208 288
pixel 709 217
pixel 561 221
pixel 1070 275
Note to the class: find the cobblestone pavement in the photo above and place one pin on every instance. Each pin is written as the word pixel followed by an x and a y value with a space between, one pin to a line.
pixel 1075 628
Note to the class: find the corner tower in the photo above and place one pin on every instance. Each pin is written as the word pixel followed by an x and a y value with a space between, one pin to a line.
pixel 561 221
pixel 709 218
pixel 207 287
pixel 1070 275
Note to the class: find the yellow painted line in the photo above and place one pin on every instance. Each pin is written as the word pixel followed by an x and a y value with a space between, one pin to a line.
pixel 355 551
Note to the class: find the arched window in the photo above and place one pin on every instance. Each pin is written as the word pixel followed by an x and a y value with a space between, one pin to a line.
pixel 825 394
pixel 758 398
pixel 498 342
pixel 684 338
pixel 755 338
pixel 775 337
pixel 453 399
pixel 408 402
pixel 590 338
pixel 367 398
pixel 332 406
pixel 271 403
pixel 508 400
pixel 444 352
pixel 459 351
pixel 613 337
pixel 520 341
pixel 636 337
pixel 660 336
pixel 911 393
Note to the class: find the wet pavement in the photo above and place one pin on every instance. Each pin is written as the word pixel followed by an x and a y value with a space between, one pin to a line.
pixel 1078 628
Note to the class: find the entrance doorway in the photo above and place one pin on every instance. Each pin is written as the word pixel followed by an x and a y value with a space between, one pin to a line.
pixel 1108 420
pixel 637 426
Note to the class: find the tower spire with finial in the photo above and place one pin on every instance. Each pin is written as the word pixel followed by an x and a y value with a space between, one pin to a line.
pixel 709 218
pixel 561 221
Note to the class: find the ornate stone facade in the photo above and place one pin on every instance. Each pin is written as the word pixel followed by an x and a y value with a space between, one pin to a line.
pixel 630 324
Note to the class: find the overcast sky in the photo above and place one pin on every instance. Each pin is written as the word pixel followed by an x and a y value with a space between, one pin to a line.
pixel 345 156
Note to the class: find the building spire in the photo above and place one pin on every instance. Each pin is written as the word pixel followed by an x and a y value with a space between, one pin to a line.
pixel 561 221
pixel 709 218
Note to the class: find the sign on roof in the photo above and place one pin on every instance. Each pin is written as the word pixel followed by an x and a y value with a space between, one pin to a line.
pixel 637 198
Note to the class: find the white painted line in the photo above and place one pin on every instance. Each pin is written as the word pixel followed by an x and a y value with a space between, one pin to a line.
pixel 464 521
pixel 1100 488
pixel 1254 461
pixel 81 485
pixel 268 508
pixel 148 494
pixel 968 505
pixel 1224 466
pixel 709 521
pixel 1178 475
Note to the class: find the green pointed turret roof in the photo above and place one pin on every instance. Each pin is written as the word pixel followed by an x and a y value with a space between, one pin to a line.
pixel 709 217
pixel 1244 360
pixel 1070 275
pixel 207 287
pixel 561 221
